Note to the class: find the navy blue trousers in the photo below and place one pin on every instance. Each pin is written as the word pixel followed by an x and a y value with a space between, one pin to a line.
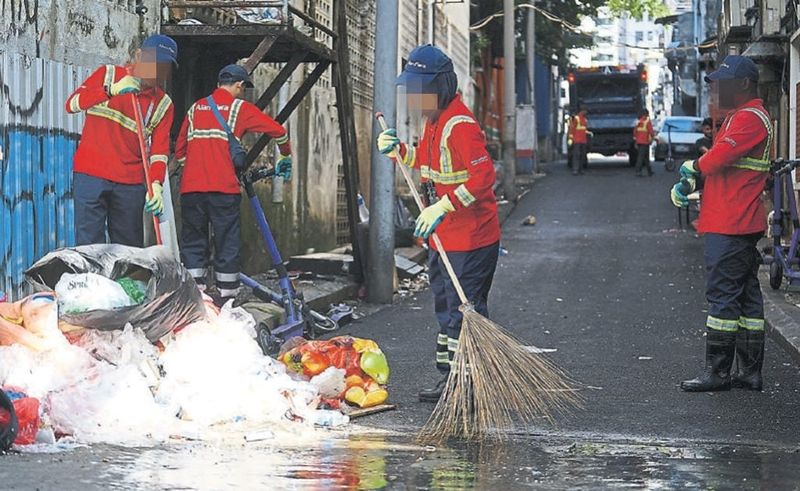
pixel 102 205
pixel 222 213
pixel 475 271
pixel 732 287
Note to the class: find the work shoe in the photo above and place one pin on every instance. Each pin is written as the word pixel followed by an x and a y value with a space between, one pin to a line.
pixel 720 351
pixel 433 395
pixel 750 358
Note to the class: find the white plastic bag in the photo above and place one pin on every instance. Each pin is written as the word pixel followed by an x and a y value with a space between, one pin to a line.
pixel 215 372
pixel 85 292
pixel 115 406
pixel 330 383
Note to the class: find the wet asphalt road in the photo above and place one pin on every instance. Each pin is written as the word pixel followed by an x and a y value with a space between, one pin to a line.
pixel 606 280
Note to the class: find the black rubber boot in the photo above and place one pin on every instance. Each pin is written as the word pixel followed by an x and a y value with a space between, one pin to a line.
pixel 720 351
pixel 433 395
pixel 750 358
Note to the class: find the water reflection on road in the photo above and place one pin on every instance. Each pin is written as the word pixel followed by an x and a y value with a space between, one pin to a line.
pixel 337 461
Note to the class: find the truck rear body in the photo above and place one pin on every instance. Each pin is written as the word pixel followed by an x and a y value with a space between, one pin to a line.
pixel 613 96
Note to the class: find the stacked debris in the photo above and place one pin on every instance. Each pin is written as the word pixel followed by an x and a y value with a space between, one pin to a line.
pixel 67 374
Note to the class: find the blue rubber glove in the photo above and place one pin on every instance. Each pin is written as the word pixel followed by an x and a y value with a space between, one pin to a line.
pixel 284 167
pixel 431 217
pixel 387 141
pixel 680 192
pixel 688 170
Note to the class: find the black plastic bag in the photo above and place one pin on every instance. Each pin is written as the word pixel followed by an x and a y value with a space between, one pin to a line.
pixel 172 299
pixel 10 427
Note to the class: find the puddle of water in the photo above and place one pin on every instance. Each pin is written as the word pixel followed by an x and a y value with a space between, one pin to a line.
pixel 395 462
pixel 352 461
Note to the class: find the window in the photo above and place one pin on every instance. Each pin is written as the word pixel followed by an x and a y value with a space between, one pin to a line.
pixel 639 36
pixel 683 125
pixel 650 36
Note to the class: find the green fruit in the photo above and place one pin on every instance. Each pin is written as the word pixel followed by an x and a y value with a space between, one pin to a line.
pixel 375 365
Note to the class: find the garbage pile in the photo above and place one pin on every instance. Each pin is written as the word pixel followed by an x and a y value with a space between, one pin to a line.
pixel 67 374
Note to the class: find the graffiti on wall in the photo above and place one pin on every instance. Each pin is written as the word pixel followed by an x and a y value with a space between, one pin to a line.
pixel 37 142
pixel 19 16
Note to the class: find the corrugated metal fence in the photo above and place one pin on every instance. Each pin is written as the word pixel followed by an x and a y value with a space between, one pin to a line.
pixel 37 141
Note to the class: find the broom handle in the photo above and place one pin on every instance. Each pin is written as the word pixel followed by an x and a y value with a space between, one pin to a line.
pixel 418 199
pixel 137 112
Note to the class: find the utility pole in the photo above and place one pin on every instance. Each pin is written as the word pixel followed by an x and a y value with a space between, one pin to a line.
pixel 431 22
pixel 530 60
pixel 380 267
pixel 509 103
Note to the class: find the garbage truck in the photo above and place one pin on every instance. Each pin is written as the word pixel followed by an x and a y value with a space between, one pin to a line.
pixel 613 96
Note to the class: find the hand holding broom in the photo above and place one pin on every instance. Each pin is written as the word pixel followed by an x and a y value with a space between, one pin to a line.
pixel 494 379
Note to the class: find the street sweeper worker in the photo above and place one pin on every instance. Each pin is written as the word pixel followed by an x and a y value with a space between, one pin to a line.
pixel 210 193
pixel 109 186
pixel 643 136
pixel 735 171
pixel 459 175
pixel 578 140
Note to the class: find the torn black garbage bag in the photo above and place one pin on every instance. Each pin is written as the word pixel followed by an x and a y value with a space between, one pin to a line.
pixel 172 299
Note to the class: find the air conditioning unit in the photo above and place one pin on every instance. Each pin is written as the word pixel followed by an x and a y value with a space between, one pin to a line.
pixel 771 13
pixel 736 10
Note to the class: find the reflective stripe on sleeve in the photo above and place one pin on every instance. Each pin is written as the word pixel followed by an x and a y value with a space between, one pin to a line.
pixel 74 105
pixel 158 158
pixel 464 196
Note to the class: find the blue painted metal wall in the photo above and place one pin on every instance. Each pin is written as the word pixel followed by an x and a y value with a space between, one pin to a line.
pixel 37 142
pixel 543 89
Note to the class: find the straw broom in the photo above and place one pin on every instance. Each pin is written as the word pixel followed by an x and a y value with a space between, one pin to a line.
pixel 494 379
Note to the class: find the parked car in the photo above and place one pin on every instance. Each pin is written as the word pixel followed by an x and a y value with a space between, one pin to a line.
pixel 682 132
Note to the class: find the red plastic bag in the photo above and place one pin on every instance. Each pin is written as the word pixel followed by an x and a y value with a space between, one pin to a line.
pixel 27 411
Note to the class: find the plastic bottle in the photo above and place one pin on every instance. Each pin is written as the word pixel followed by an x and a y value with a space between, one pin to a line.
pixel 363 212
pixel 330 418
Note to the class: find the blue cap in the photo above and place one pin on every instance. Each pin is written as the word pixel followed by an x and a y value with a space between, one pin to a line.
pixel 234 73
pixel 165 48
pixel 424 64
pixel 735 67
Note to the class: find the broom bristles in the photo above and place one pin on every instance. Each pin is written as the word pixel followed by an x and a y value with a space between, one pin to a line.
pixel 494 382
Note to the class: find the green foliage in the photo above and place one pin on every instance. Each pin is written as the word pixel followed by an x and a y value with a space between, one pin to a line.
pixel 552 39
pixel 637 8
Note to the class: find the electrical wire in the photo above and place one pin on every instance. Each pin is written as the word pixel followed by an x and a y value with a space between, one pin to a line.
pixel 548 15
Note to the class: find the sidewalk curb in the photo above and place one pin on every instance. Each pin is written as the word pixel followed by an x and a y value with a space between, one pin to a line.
pixel 783 325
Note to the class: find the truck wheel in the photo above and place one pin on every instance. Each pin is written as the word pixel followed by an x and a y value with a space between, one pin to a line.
pixel 775 274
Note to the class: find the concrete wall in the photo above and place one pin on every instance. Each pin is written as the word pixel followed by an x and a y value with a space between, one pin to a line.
pixel 79 32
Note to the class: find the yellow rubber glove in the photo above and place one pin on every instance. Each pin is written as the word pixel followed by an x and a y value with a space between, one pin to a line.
pixel 569 142
pixel 155 203
pixel 126 85
pixel 680 192
pixel 689 170
pixel 387 141
pixel 432 216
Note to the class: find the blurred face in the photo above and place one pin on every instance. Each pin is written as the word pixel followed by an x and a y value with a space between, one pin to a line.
pixel 151 72
pixel 707 130
pixel 733 93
